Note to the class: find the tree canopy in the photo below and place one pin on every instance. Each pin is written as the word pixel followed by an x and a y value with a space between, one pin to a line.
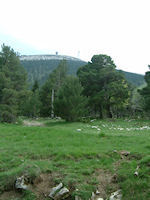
pixel 54 82
pixel 104 85
pixel 12 82
pixel 145 92
pixel 70 103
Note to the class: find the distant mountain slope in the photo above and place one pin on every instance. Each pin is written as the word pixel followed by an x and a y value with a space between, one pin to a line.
pixel 133 78
pixel 40 66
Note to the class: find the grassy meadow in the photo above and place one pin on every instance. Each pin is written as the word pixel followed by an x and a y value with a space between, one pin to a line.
pixel 83 156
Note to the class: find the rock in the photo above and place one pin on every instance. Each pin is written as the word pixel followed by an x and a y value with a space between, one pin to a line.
pixel 94 127
pixel 77 198
pixel 94 197
pixel 97 192
pixel 125 153
pixel 136 173
pixel 62 194
pixel 92 120
pixel 78 129
pixel 115 151
pixel 116 195
pixel 20 183
pixel 54 190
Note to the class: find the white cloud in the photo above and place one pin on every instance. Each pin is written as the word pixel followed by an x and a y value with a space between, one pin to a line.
pixel 119 28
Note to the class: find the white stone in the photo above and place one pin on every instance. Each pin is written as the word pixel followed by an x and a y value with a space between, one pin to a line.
pixel 64 192
pixel 54 190
pixel 116 195
pixel 97 192
pixel 20 183
pixel 136 173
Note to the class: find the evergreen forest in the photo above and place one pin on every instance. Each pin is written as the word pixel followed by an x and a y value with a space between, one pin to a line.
pixel 72 91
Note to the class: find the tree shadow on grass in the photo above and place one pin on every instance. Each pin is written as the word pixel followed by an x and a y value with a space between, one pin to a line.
pixel 57 123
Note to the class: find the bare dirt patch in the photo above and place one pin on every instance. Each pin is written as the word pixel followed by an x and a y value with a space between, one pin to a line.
pixel 10 195
pixel 42 185
pixel 32 123
pixel 106 183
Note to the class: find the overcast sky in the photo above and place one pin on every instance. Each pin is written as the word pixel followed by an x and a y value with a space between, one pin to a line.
pixel 118 28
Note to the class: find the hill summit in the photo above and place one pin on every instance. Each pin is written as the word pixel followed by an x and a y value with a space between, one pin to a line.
pixel 47 57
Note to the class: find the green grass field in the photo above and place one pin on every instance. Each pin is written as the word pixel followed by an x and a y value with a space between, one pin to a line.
pixel 83 156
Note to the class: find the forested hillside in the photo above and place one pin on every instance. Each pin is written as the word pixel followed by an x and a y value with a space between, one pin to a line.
pixel 133 78
pixel 39 67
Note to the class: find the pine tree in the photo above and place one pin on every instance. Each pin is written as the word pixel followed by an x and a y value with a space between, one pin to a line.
pixel 104 85
pixel 145 92
pixel 70 103
pixel 51 87
pixel 12 82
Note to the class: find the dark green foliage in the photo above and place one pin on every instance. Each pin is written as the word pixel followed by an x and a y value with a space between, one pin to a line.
pixel 45 98
pixel 70 104
pixel 136 104
pixel 35 86
pixel 12 82
pixel 7 113
pixel 145 92
pixel 134 79
pixel 54 82
pixel 40 69
pixel 106 88
pixel 29 102
pixel 31 105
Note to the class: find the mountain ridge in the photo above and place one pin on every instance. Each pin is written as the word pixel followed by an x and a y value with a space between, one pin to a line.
pixel 48 57
pixel 39 67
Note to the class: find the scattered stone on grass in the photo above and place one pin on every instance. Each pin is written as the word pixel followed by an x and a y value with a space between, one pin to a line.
pixel 20 183
pixel 92 120
pixel 62 194
pixel 78 129
pixel 116 195
pixel 54 190
pixel 122 153
pixel 125 153
pixel 59 192
pixel 95 196
pixel 97 192
pixel 105 180
pixel 115 151
pixel 136 173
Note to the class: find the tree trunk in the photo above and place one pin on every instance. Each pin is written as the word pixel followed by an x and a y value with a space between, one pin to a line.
pixel 52 103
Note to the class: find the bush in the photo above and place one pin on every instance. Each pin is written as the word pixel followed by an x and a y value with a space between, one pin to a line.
pixel 7 117
pixel 7 114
